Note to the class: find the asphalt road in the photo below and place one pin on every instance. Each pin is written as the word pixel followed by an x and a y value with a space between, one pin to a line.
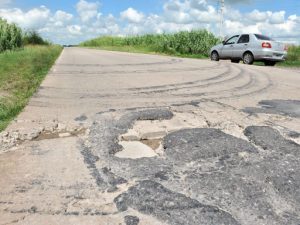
pixel 119 138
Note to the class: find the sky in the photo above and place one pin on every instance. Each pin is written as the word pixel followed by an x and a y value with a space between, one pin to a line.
pixel 73 21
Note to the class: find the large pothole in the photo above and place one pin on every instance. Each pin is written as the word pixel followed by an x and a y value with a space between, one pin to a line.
pixel 146 136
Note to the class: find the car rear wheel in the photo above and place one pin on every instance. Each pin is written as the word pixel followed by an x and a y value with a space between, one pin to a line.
pixel 214 56
pixel 248 58
pixel 235 61
pixel 270 63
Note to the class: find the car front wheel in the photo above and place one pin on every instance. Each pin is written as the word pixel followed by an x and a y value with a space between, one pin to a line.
pixel 248 58
pixel 214 56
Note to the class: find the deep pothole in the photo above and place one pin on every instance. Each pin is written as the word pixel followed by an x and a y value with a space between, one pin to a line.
pixel 146 137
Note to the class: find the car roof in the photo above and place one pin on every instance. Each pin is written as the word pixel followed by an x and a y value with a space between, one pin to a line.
pixel 240 34
pixel 230 35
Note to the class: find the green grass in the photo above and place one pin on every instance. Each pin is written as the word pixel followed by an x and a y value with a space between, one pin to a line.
pixel 21 73
pixel 193 44
pixel 293 59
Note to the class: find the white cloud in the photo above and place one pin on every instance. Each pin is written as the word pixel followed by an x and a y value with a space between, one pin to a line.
pixel 235 27
pixel 267 16
pixel 208 16
pixel 132 15
pixel 87 10
pixel 234 15
pixel 177 15
pixel 109 23
pixel 33 19
pixel 74 29
pixel 174 5
pixel 277 17
pixel 61 18
pixel 198 4
pixel 257 16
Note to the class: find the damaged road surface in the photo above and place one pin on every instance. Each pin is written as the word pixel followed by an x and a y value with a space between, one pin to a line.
pixel 117 138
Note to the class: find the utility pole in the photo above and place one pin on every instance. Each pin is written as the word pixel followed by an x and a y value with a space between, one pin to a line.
pixel 221 13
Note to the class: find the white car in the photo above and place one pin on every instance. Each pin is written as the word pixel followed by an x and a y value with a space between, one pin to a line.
pixel 250 48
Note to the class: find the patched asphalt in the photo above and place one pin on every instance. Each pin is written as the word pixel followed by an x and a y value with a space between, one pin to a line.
pixel 282 107
pixel 152 198
pixel 205 176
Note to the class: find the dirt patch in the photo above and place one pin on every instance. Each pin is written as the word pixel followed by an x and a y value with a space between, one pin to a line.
pixel 4 94
pixel 154 144
pixel 46 135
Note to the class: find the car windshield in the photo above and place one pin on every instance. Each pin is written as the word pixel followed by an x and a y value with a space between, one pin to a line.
pixel 232 40
pixel 263 37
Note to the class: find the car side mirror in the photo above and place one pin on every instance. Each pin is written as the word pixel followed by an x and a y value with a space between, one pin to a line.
pixel 223 42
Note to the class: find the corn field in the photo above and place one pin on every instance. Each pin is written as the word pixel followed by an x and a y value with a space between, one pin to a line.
pixel 186 42
pixel 10 36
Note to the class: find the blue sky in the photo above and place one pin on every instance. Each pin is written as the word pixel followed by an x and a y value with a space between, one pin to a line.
pixel 73 21
pixel 290 6
pixel 116 6
pixel 107 6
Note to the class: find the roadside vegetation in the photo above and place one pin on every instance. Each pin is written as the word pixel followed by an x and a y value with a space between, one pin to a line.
pixel 25 60
pixel 33 38
pixel 193 44
pixel 293 59
pixel 187 44
pixel 10 36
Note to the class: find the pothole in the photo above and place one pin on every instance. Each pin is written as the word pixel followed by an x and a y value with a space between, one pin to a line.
pixel 145 138
pixel 153 144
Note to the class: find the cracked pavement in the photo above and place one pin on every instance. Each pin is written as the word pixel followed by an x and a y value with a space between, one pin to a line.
pixel 133 139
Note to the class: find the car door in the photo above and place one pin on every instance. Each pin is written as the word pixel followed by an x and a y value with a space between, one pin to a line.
pixel 241 46
pixel 227 49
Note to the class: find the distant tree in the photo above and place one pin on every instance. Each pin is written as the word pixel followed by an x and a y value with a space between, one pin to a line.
pixel 33 38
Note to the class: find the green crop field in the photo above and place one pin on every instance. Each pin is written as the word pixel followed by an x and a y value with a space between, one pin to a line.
pixel 189 44
pixel 10 36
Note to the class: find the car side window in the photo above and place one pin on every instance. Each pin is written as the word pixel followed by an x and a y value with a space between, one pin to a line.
pixel 232 40
pixel 244 39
